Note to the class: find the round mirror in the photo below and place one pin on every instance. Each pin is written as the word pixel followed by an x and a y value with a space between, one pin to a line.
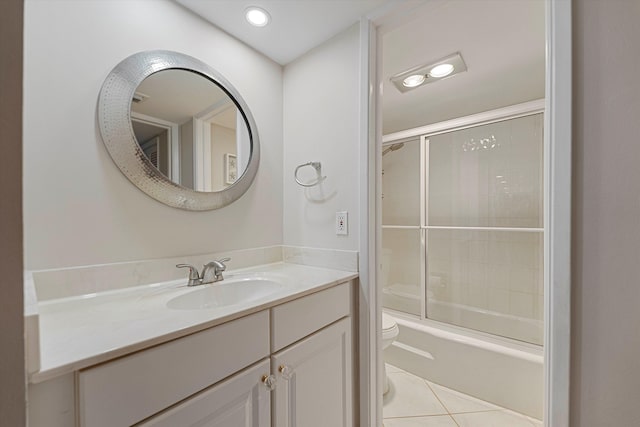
pixel 190 130
pixel 178 130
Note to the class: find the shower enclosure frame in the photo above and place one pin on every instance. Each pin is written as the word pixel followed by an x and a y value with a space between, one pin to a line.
pixel 421 136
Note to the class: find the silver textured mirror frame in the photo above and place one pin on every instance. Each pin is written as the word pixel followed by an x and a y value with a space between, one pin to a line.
pixel 114 119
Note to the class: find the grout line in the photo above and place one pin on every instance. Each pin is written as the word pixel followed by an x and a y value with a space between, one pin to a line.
pixel 421 416
pixel 437 397
pixel 504 410
pixel 451 414
pixel 417 416
pixel 489 408
pixel 476 411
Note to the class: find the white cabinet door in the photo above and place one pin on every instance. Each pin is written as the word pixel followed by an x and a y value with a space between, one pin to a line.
pixel 241 401
pixel 315 381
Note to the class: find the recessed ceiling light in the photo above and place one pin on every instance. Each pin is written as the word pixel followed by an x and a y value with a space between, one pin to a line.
pixel 430 72
pixel 413 80
pixel 441 70
pixel 257 17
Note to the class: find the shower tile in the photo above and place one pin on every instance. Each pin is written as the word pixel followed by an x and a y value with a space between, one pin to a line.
pixel 499 252
pixel 499 300
pixel 478 296
pixel 525 254
pixel 478 274
pixel 409 396
pixel 492 419
pixel 456 402
pixel 498 276
pixel 479 249
pixel 539 280
pixel 401 269
pixel 522 279
pixel 498 185
pixel 433 421
pixel 538 308
pixel 521 304
pixel 401 185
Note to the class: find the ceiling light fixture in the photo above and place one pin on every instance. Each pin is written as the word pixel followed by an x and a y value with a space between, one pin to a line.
pixel 413 80
pixel 429 73
pixel 257 16
pixel 441 70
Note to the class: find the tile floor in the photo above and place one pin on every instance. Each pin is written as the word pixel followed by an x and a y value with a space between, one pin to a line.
pixel 416 402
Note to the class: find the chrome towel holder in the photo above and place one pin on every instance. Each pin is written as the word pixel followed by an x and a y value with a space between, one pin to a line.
pixel 317 166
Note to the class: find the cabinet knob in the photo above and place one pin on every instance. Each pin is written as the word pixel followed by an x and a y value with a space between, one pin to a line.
pixel 286 371
pixel 269 381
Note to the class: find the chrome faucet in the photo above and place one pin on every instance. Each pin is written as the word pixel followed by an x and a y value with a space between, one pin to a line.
pixel 211 272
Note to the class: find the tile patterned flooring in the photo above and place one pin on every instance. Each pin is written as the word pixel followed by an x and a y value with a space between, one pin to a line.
pixel 416 402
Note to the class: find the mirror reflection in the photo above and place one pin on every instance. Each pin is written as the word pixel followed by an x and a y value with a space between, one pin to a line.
pixel 190 130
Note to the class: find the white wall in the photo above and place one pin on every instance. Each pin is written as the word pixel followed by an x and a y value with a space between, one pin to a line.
pixel 321 111
pixel 78 207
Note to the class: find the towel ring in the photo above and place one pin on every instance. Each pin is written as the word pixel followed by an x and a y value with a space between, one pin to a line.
pixel 317 166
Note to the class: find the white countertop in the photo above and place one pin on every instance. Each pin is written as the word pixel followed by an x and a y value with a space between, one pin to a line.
pixel 81 331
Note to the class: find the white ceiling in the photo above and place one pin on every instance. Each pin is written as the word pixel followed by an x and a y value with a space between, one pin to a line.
pixel 296 25
pixel 502 43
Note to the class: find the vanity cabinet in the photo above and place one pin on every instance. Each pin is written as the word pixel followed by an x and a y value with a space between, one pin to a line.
pixel 284 366
pixel 311 385
pixel 314 380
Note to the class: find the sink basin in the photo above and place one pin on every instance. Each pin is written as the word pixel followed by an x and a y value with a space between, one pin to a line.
pixel 222 294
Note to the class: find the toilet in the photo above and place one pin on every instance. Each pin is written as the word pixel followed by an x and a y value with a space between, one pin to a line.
pixel 389 334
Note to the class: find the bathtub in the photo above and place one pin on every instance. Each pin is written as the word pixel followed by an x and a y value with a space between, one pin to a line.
pixel 498 370
pixel 405 298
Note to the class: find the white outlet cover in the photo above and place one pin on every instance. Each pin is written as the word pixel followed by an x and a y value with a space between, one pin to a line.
pixel 342 223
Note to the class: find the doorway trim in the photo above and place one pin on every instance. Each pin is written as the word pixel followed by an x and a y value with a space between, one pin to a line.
pixel 557 284
pixel 557 210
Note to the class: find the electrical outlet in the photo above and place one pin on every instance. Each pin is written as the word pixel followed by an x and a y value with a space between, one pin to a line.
pixel 342 223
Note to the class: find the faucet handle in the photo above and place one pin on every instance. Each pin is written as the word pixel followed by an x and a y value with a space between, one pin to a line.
pixel 194 277
pixel 220 267
pixel 193 272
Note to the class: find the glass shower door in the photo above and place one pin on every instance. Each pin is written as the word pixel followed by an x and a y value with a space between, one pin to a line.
pixel 402 253
pixel 484 228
